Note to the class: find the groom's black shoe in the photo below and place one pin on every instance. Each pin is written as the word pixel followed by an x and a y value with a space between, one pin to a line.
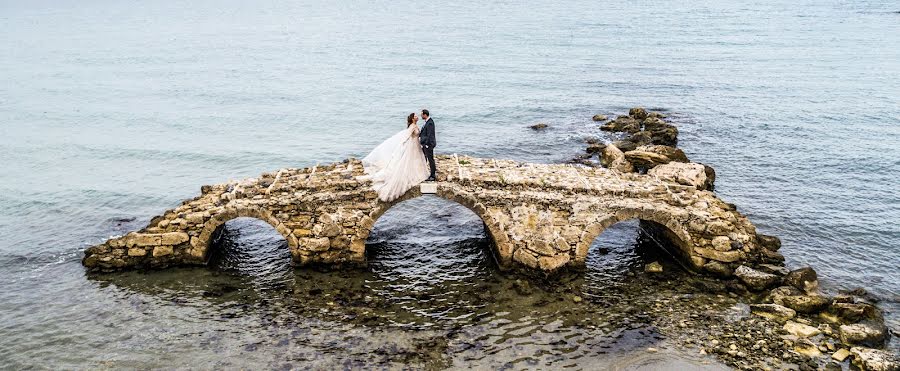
pixel 430 179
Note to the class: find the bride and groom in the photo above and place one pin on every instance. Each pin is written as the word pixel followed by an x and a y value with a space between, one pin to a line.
pixel 403 160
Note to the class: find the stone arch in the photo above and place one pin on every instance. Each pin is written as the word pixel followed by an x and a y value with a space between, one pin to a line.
pixel 501 247
pixel 204 240
pixel 674 231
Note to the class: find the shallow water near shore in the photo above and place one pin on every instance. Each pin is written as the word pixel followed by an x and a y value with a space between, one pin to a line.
pixel 111 113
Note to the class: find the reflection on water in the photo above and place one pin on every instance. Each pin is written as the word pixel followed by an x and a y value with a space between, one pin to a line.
pixel 431 297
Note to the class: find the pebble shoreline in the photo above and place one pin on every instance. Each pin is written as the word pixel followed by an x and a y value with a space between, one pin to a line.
pixel 763 317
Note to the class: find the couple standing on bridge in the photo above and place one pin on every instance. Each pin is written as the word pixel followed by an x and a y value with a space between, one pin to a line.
pixel 403 160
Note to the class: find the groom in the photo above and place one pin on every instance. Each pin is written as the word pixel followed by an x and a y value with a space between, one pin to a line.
pixel 428 142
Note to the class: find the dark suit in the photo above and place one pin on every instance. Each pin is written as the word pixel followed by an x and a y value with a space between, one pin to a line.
pixel 428 142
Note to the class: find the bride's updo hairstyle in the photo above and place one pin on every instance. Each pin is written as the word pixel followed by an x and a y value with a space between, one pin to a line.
pixel 409 119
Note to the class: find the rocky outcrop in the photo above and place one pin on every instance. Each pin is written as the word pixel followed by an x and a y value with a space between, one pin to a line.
pixel 646 127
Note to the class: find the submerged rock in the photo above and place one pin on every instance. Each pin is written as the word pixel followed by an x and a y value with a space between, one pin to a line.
pixel 538 126
pixel 874 359
pixel 599 117
pixel 755 279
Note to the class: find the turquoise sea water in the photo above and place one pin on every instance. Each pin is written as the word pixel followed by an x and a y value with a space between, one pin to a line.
pixel 111 112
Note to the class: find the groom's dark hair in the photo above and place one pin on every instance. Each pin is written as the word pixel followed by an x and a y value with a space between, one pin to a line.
pixel 426 113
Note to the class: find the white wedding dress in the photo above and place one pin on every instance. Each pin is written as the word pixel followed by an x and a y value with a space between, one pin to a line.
pixel 396 165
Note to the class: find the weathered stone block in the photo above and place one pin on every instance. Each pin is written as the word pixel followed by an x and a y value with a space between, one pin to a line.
pixel 525 257
pixel 755 279
pixel 542 247
pixel 721 243
pixel 173 238
pixel 195 218
pixel 162 251
pixel 340 242
pixel 315 244
pixel 137 251
pixel 140 239
pixel 331 230
pixel 552 263
pixel 722 256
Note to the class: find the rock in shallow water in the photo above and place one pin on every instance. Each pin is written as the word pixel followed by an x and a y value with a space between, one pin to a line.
pixel 805 303
pixel 841 355
pixel 869 333
pixel 718 269
pixel 755 279
pixel 804 279
pixel 853 312
pixel 874 359
pixel 638 112
pixel 801 330
pixel 613 158
pixel 622 124
pixel 599 117
pixel 771 243
pixel 649 156
pixel 773 311
pixel 654 267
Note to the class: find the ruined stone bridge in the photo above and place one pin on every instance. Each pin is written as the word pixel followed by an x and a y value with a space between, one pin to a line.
pixel 539 216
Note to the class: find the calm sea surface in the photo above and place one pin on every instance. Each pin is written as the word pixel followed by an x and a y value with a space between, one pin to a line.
pixel 112 112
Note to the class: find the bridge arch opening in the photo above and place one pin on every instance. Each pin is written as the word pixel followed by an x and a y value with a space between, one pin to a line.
pixel 257 220
pixel 448 220
pixel 249 246
pixel 634 238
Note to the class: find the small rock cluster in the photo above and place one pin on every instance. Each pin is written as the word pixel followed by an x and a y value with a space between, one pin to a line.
pixel 816 325
pixel 649 147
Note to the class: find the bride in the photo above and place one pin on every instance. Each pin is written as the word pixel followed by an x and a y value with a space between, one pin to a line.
pixel 397 164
